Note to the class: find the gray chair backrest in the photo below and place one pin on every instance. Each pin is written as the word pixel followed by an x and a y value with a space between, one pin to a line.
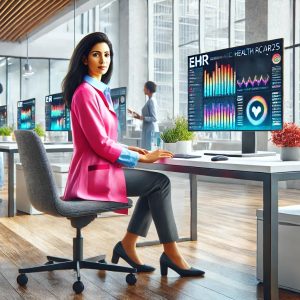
pixel 38 175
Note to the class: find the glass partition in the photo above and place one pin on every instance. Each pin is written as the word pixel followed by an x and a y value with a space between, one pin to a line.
pixel 58 70
pixel 36 86
pixel 13 90
pixel 3 65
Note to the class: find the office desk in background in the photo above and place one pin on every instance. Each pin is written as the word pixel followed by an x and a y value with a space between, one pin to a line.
pixel 11 149
pixel 268 170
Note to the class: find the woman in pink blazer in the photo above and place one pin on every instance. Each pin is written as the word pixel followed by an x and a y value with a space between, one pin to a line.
pixel 96 171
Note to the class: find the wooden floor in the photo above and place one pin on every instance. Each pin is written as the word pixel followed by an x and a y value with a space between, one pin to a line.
pixel 226 250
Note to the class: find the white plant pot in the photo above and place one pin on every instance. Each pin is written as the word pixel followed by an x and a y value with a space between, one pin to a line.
pixel 184 147
pixel 170 147
pixel 290 153
pixel 5 138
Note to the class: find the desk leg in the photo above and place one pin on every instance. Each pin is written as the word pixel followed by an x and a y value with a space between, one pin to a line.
pixel 193 199
pixel 11 188
pixel 270 238
pixel 193 219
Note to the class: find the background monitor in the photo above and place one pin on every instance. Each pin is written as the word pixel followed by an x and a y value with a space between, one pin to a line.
pixel 118 96
pixel 3 115
pixel 26 114
pixel 56 113
pixel 239 89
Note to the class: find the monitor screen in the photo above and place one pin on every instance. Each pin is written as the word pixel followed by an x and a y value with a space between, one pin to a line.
pixel 26 114
pixel 238 88
pixel 3 115
pixel 118 96
pixel 56 113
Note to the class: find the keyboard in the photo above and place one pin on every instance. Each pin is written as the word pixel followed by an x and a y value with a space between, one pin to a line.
pixel 178 155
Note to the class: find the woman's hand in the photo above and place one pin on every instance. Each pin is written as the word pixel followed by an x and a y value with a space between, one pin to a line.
pixel 155 155
pixel 138 150
pixel 135 114
pixel 130 111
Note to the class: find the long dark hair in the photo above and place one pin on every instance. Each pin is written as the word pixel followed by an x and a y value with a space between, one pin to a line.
pixel 77 70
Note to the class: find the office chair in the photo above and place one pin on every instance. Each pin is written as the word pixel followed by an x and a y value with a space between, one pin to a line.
pixel 44 197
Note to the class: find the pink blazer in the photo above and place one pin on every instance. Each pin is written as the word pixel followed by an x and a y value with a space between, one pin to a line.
pixel 94 173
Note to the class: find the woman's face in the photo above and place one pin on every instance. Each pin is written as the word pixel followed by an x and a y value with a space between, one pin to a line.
pixel 98 60
pixel 146 91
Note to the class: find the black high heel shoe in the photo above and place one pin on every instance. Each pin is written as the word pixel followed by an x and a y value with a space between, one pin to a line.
pixel 166 263
pixel 120 252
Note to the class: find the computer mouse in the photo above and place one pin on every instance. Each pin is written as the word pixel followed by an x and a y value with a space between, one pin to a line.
pixel 219 158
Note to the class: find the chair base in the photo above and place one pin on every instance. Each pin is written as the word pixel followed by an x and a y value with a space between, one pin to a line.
pixel 95 263
pixel 99 259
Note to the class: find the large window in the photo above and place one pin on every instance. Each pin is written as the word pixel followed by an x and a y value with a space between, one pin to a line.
pixel 287 11
pixel 161 60
pixel 239 23
pixel 297 56
pixel 216 24
pixel 3 81
pixel 188 44
pixel 108 20
pixel 184 27
pixel 180 28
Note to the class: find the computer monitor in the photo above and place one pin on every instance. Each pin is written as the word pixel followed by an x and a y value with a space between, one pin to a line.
pixel 3 115
pixel 237 89
pixel 26 114
pixel 118 96
pixel 57 115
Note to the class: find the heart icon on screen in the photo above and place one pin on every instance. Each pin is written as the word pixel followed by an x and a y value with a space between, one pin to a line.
pixel 256 110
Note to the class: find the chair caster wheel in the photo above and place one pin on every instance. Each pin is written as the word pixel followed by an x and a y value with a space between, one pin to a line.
pixel 131 279
pixel 78 287
pixel 22 279
pixel 102 261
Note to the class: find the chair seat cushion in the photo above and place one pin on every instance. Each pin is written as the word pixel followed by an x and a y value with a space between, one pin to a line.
pixel 80 208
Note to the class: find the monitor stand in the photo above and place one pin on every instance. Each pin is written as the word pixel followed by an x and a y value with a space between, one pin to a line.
pixel 248 148
pixel 70 138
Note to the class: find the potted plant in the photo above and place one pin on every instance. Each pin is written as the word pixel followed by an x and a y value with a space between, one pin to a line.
pixel 39 131
pixel 288 139
pixel 5 133
pixel 184 136
pixel 169 137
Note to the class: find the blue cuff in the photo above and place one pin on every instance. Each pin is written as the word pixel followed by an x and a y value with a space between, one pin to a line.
pixel 128 158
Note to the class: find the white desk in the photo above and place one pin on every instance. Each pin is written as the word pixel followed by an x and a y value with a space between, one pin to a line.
pixel 269 170
pixel 11 149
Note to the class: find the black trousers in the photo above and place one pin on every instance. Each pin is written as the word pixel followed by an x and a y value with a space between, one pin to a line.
pixel 154 191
